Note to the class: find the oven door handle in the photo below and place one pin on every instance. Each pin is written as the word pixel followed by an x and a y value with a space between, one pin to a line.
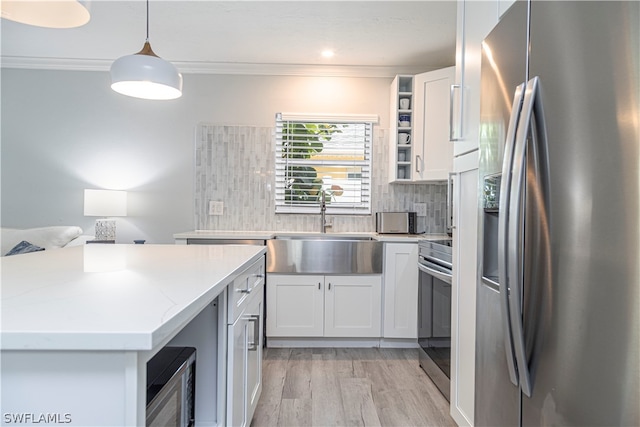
pixel 447 278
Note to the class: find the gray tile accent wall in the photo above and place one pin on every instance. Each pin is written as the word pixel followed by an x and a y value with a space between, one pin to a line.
pixel 235 165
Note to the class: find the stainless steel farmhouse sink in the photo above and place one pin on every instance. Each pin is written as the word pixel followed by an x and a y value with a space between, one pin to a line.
pixel 324 254
pixel 337 237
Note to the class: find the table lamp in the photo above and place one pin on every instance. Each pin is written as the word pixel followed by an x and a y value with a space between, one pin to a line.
pixel 105 203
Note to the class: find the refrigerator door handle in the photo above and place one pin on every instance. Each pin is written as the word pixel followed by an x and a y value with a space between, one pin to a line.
pixel 503 248
pixel 532 102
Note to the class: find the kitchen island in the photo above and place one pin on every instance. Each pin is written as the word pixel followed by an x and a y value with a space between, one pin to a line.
pixel 79 325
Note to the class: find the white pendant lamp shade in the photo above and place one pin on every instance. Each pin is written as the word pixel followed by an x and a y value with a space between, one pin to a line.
pixel 50 14
pixel 146 75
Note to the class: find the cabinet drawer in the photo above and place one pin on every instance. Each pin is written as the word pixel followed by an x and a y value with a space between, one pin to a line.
pixel 239 292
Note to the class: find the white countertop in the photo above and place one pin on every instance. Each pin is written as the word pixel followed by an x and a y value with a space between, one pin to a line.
pixel 111 297
pixel 266 235
pixel 224 234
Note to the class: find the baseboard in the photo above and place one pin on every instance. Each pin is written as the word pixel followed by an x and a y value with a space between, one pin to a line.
pixel 341 342
pixel 398 343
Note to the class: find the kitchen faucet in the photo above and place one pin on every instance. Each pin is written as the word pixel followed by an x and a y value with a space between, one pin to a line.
pixel 323 209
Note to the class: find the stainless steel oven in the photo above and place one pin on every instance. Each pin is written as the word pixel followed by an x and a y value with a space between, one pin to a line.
pixel 434 311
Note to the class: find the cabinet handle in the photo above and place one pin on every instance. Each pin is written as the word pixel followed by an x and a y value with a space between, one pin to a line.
pixel 253 345
pixel 329 285
pixel 318 285
pixel 243 291
pixel 453 88
pixel 450 224
pixel 418 161
pixel 259 278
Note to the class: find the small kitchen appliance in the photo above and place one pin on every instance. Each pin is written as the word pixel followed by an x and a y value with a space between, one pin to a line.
pixel 396 222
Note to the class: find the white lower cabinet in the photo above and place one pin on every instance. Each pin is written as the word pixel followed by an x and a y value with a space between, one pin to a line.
pixel 400 290
pixel 295 305
pixel 324 306
pixel 255 320
pixel 236 384
pixel 244 345
pixel 353 306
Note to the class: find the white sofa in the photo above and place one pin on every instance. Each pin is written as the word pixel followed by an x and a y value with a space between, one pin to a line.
pixel 53 237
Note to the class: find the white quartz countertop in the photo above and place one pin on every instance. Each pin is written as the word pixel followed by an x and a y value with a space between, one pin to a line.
pixel 266 235
pixel 111 297
pixel 223 234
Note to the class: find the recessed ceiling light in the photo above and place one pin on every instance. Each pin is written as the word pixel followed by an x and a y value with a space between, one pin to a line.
pixel 328 53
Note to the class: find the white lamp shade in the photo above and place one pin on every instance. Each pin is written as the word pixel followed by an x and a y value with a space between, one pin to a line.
pixel 105 203
pixel 50 14
pixel 146 76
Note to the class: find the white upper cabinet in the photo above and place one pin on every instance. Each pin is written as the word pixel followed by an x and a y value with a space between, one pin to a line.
pixel 420 149
pixel 433 159
pixel 475 20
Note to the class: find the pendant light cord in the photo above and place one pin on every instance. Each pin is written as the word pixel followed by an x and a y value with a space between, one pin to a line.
pixel 147 20
pixel 146 49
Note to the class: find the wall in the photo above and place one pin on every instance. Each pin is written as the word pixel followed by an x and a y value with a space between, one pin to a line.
pixel 63 131
pixel 232 160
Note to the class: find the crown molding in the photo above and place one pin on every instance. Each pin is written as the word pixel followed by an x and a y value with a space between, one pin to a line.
pixel 217 67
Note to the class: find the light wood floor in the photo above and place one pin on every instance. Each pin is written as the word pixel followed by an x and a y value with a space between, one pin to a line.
pixel 348 387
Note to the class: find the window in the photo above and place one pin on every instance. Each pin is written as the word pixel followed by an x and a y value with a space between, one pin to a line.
pixel 330 154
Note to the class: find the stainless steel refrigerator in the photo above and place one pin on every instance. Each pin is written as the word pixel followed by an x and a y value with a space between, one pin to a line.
pixel 558 298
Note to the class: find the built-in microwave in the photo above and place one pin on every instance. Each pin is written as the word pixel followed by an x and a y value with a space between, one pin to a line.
pixel 171 387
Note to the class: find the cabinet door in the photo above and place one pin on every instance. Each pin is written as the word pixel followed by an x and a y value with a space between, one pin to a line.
pixel 463 292
pixel 433 158
pixel 295 305
pixel 237 372
pixel 254 316
pixel 400 290
pixel 475 20
pixel 353 306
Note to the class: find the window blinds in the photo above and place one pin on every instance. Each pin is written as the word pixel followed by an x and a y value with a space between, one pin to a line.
pixel 328 153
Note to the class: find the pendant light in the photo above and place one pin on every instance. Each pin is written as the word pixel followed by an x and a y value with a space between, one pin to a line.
pixel 49 14
pixel 146 75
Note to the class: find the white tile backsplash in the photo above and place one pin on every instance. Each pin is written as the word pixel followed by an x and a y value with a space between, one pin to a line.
pixel 235 164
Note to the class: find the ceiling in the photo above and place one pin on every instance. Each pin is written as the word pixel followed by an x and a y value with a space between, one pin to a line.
pixel 370 38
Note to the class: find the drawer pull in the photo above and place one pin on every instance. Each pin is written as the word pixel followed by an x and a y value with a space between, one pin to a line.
pixel 243 291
